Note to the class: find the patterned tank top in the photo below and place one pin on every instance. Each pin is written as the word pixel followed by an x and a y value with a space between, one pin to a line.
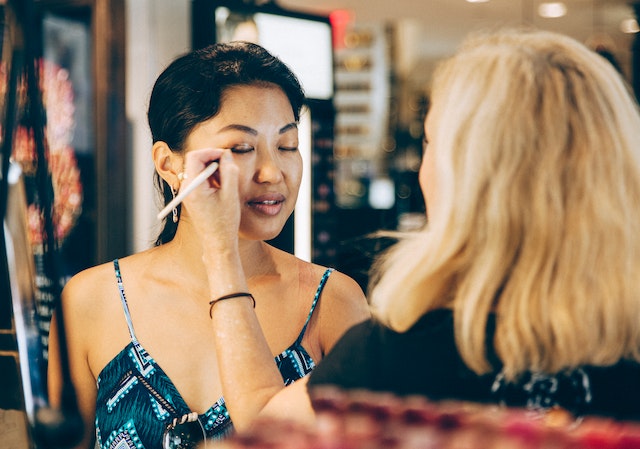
pixel 137 402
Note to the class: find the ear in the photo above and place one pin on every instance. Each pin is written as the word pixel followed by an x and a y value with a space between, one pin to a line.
pixel 167 163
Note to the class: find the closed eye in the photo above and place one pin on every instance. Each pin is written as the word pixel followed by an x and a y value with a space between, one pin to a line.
pixel 241 149
pixel 293 149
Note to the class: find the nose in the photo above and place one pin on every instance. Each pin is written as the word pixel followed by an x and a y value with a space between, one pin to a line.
pixel 268 168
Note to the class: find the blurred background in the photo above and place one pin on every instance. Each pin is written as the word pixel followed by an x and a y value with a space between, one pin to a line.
pixel 365 64
pixel 365 156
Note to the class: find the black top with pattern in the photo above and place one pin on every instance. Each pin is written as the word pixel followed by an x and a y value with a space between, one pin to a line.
pixel 424 360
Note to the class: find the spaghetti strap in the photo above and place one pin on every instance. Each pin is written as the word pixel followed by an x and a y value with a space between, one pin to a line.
pixel 323 281
pixel 123 298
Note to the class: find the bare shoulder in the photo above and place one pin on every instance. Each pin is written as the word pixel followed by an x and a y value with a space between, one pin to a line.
pixel 342 286
pixel 93 292
pixel 94 319
pixel 339 289
pixel 342 305
pixel 84 293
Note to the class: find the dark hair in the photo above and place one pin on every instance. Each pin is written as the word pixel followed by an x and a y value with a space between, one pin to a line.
pixel 189 91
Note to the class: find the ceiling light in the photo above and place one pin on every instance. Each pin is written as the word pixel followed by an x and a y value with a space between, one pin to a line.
pixel 629 26
pixel 477 1
pixel 552 10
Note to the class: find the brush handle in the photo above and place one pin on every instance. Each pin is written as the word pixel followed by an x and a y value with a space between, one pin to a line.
pixel 202 176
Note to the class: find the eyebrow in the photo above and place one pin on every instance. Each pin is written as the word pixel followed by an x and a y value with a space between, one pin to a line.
pixel 292 125
pixel 248 129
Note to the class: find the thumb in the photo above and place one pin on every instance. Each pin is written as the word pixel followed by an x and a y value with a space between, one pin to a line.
pixel 228 174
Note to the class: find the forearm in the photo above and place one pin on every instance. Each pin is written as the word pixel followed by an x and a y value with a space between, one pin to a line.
pixel 248 373
pixel 249 376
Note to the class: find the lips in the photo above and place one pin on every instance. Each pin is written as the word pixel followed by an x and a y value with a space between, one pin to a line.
pixel 268 204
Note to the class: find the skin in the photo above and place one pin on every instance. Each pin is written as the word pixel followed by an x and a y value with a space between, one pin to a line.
pixel 268 148
pixel 427 174
pixel 218 249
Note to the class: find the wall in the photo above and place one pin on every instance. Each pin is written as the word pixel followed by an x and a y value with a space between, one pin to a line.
pixel 157 31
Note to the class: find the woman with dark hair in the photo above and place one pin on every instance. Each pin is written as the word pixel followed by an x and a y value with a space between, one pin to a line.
pixel 191 92
pixel 154 375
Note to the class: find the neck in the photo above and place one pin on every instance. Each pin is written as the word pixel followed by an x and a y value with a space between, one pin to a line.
pixel 256 255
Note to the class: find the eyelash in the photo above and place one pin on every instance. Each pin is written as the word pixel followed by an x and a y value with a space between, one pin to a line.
pixel 425 143
pixel 245 149
pixel 241 149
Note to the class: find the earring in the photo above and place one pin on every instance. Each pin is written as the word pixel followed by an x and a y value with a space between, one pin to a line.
pixel 174 212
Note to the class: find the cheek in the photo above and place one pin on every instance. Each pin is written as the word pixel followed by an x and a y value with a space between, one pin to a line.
pixel 293 170
pixel 427 179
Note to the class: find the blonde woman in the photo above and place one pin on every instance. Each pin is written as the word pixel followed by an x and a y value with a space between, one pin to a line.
pixel 523 287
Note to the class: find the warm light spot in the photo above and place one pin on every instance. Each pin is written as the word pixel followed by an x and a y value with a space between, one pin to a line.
pixel 629 26
pixel 552 10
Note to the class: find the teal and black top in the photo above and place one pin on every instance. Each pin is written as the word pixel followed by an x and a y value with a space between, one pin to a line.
pixel 136 400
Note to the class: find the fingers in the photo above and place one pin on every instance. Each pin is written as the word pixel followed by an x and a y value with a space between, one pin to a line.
pixel 229 172
pixel 213 209
pixel 222 186
pixel 196 160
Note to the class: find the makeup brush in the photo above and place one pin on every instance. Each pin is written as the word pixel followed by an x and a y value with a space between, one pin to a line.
pixel 202 176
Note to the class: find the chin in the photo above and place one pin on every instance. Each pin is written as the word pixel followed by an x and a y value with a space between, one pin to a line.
pixel 263 229
pixel 261 234
pixel 270 236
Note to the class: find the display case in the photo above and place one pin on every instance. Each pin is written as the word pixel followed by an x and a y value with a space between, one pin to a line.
pixel 63 175
pixel 86 40
pixel 376 420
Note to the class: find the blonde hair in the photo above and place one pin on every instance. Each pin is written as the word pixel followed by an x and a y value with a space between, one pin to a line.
pixel 537 150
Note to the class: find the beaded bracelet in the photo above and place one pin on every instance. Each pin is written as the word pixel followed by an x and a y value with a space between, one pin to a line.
pixel 229 296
